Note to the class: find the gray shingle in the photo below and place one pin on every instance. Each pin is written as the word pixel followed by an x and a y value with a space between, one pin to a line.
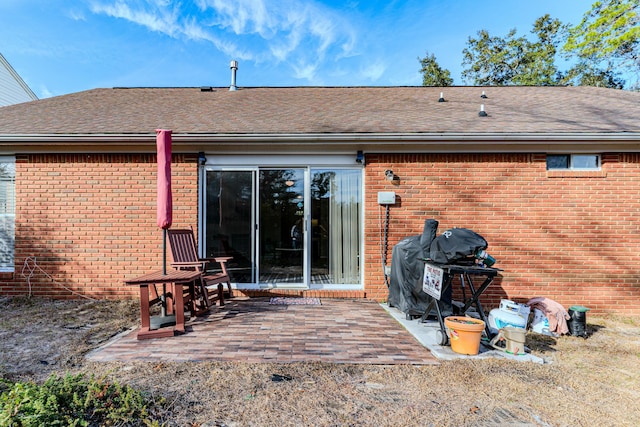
pixel 328 110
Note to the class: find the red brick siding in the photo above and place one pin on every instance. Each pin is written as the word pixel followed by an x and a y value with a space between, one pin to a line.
pixel 90 221
pixel 569 236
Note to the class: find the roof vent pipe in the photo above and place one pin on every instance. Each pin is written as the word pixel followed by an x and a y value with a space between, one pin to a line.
pixel 234 68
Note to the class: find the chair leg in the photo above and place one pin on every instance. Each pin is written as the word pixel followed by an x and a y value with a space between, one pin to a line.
pixel 204 296
pixel 221 294
pixel 230 290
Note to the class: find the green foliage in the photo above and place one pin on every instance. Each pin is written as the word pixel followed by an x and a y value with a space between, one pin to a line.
pixel 511 60
pixel 604 45
pixel 432 73
pixel 72 401
pixel 585 74
pixel 610 28
pixel 608 35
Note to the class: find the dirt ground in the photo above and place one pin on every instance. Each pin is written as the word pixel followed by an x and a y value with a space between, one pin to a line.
pixel 593 381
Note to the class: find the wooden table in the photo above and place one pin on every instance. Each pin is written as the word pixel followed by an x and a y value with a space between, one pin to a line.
pixel 178 278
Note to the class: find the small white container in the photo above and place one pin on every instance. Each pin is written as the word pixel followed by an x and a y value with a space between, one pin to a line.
pixel 540 323
pixel 524 311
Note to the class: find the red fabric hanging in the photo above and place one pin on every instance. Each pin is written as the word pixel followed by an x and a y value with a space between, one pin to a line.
pixel 165 206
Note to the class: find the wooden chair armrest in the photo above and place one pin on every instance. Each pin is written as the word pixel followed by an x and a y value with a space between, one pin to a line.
pixel 188 264
pixel 219 259
pixel 222 260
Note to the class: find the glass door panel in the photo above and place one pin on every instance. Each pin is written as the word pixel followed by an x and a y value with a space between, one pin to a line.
pixel 230 221
pixel 335 226
pixel 286 226
pixel 281 229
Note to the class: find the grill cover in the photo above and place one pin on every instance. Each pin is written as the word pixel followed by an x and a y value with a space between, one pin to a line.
pixel 407 270
pixel 456 244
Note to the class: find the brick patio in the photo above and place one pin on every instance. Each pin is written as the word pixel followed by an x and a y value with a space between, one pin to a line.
pixel 254 331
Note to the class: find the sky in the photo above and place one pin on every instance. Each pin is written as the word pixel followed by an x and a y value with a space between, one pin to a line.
pixel 65 46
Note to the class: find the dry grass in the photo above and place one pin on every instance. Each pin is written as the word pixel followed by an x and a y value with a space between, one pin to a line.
pixel 590 381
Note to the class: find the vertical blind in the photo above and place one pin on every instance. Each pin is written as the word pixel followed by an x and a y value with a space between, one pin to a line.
pixel 7 214
pixel 344 220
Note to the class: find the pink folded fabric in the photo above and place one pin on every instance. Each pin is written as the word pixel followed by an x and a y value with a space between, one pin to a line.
pixel 555 312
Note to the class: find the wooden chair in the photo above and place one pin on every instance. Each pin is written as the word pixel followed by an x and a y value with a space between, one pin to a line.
pixel 185 257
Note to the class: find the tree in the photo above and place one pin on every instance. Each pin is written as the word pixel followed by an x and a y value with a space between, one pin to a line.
pixel 514 60
pixel 585 74
pixel 432 73
pixel 608 35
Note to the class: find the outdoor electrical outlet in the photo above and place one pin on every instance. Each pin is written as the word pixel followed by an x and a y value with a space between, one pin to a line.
pixel 386 197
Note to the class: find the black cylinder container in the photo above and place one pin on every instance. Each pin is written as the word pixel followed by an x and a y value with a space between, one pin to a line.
pixel 578 322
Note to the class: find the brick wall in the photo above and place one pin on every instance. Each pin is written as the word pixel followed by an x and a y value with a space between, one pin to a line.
pixel 89 221
pixel 569 236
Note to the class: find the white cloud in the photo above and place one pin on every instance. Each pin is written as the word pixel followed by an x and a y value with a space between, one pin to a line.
pixel 45 92
pixel 158 17
pixel 76 15
pixel 245 16
pixel 305 72
pixel 325 31
pixel 374 71
pixel 194 31
pixel 294 31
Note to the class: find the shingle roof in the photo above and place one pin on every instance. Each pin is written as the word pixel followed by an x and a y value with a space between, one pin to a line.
pixel 328 110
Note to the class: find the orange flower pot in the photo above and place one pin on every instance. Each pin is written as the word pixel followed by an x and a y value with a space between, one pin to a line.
pixel 464 334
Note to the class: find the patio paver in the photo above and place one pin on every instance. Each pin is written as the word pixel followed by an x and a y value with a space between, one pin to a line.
pixel 253 331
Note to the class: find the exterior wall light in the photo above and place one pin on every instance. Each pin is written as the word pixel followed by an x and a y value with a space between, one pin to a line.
pixel 389 174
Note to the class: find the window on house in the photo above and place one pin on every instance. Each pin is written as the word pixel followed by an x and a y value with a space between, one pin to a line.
pixel 573 161
pixel 7 213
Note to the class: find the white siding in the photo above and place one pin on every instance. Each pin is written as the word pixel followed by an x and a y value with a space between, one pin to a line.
pixel 13 89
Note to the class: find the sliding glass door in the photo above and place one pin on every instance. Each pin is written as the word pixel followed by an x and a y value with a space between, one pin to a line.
pixel 286 227
pixel 230 220
pixel 335 226
pixel 281 227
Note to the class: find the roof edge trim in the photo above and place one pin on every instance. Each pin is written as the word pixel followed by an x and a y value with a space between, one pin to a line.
pixel 496 138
